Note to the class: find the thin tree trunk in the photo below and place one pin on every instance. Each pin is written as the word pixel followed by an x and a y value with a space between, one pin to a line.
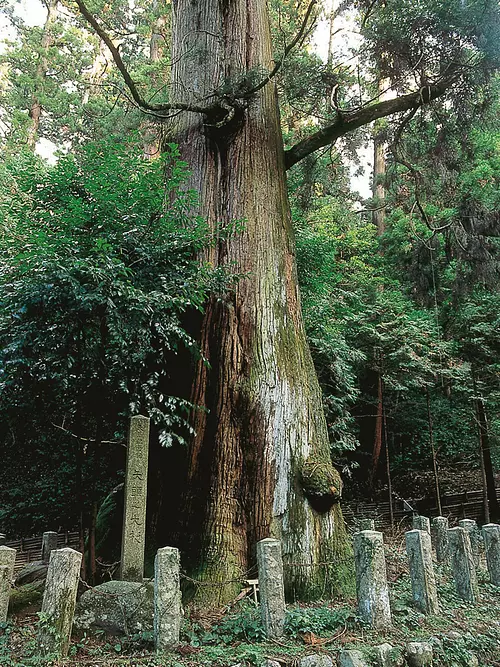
pixel 377 442
pixel 434 455
pixel 484 443
pixel 157 47
pixel 263 434
pixel 378 187
pixel 388 469
pixel 35 111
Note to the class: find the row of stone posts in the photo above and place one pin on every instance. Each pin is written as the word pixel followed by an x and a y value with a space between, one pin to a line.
pixel 460 545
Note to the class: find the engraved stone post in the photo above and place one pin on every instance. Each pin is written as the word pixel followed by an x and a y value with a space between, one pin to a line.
pixel 491 536
pixel 440 537
pixel 371 578
pixel 49 543
pixel 423 583
pixel 167 599
pixel 8 558
pixel 59 600
pixel 471 527
pixel 271 586
pixel 366 524
pixel 5 584
pixel 462 561
pixel 421 523
pixel 134 512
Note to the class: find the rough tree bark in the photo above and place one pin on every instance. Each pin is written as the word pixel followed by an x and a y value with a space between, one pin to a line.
pixel 260 462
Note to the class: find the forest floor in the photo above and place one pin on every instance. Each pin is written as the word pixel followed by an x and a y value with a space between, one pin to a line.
pixel 229 636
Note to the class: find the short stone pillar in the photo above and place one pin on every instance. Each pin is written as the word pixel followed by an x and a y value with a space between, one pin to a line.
pixel 271 586
pixel 419 654
pixel 421 523
pixel 440 537
pixel 8 558
pixel 423 582
pixel 167 599
pixel 371 579
pixel 134 512
pixel 471 527
pixel 49 543
pixel 366 524
pixel 491 537
pixel 5 586
pixel 59 600
pixel 462 562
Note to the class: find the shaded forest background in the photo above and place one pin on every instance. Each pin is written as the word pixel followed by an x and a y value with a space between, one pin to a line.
pixel 98 260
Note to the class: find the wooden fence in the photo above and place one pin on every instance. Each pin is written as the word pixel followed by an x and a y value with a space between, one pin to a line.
pixel 29 549
pixel 455 506
pixel 465 505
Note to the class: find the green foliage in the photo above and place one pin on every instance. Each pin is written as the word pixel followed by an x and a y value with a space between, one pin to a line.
pixel 321 621
pixel 98 269
pixel 244 625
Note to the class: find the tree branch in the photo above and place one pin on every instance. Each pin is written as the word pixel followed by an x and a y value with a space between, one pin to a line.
pixel 298 37
pixel 349 121
pixel 136 96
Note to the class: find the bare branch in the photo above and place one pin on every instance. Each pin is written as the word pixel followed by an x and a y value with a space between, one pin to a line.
pixel 350 121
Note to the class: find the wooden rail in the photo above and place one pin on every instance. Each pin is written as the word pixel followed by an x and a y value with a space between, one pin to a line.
pixel 29 549
pixel 465 505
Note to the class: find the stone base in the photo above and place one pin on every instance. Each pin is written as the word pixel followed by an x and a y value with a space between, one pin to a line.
pixel 34 571
pixel 117 607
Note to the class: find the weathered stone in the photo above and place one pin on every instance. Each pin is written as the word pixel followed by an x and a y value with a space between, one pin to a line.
pixel 31 572
pixel 167 599
pixel 316 661
pixel 421 523
pixel 471 661
pixel 462 562
pixel 471 527
pixel 366 524
pixel 423 583
pixel 22 597
pixel 59 600
pixel 351 659
pixel 8 558
pixel 134 513
pixel 491 537
pixel 49 544
pixel 440 538
pixel 388 656
pixel 117 607
pixel 271 587
pixel 5 585
pixel 419 654
pixel 371 579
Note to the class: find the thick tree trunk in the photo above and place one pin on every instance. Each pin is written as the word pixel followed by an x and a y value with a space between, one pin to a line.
pixel 262 439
